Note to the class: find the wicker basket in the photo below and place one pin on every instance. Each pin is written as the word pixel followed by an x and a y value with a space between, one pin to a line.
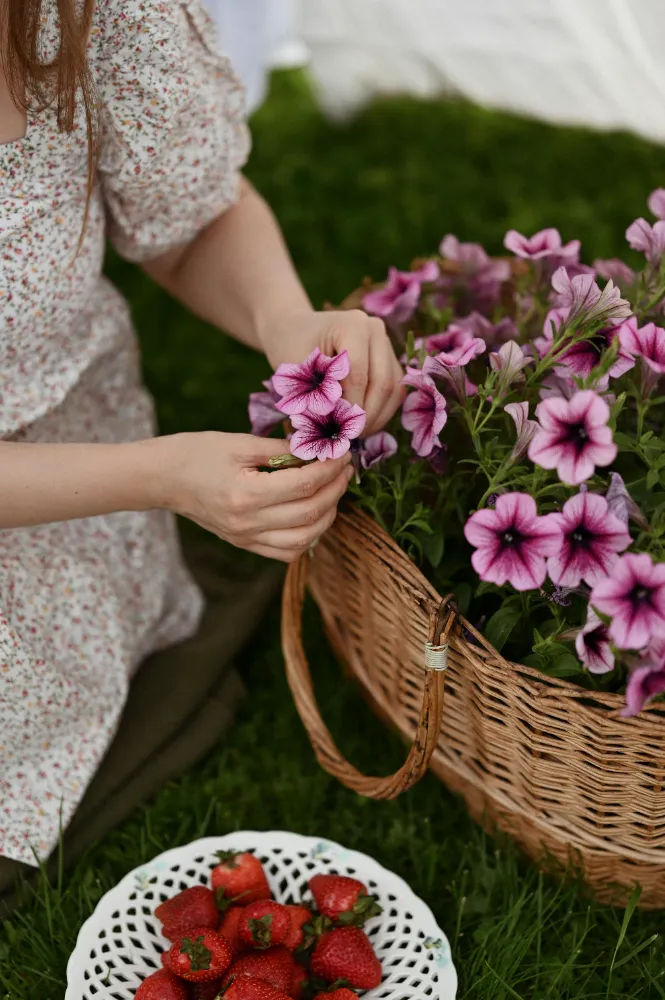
pixel 549 763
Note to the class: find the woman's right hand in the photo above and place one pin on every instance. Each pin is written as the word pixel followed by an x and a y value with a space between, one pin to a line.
pixel 214 479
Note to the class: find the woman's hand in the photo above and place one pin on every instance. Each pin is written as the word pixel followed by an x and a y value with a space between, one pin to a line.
pixel 214 479
pixel 375 378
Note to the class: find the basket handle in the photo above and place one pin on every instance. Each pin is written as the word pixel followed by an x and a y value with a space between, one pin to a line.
pixel 300 682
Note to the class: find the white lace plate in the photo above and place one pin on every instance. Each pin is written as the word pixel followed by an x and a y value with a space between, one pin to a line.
pixel 120 943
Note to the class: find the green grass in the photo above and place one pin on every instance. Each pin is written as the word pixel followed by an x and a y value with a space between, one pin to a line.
pixel 353 199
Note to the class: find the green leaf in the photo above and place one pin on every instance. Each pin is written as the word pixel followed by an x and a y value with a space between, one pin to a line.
pixel 433 545
pixel 501 624
pixel 653 476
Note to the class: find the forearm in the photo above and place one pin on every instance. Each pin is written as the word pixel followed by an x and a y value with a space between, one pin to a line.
pixel 237 274
pixel 42 483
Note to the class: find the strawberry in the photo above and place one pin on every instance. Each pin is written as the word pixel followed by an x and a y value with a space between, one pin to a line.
pixel 206 991
pixel 241 877
pixel 200 956
pixel 298 982
pixel 229 926
pixel 162 985
pixel 275 966
pixel 341 994
pixel 347 953
pixel 264 924
pixel 299 916
pixel 248 988
pixel 342 899
pixel 195 907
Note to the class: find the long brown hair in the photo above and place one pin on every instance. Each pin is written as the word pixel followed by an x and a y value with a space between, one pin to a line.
pixel 60 83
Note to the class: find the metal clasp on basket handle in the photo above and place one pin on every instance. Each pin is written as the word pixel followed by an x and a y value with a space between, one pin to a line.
pixel 440 625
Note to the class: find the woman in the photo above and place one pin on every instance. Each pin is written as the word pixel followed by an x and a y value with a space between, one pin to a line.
pixel 120 117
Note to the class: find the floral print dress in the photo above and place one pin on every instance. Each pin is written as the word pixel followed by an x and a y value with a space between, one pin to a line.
pixel 82 602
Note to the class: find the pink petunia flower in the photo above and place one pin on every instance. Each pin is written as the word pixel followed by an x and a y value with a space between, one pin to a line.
pixel 477 325
pixel 525 428
pixel 377 448
pixel 455 349
pixel 326 435
pixel 591 539
pixel 615 270
pixel 313 386
pixel 546 243
pixel 400 297
pixel 648 342
pixel 263 413
pixel 649 240
pixel 574 437
pixel 586 302
pixel 454 379
pixel 656 203
pixel 479 279
pixel 512 542
pixel 474 260
pixel 509 361
pixel 622 505
pixel 634 599
pixel 582 357
pixel 644 684
pixel 423 412
pixel 593 645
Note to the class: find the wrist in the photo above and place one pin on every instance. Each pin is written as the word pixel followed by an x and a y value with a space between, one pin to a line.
pixel 276 325
pixel 154 465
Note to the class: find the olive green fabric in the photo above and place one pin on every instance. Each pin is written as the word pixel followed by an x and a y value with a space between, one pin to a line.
pixel 181 701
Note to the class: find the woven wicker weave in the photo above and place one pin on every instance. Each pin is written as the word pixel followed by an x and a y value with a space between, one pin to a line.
pixel 548 762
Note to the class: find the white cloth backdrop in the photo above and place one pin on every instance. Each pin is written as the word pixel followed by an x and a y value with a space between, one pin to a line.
pixel 593 62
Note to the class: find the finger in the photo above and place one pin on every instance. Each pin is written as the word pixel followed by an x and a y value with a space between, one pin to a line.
pixel 297 539
pixel 279 555
pixel 355 340
pixel 255 452
pixel 385 391
pixel 300 513
pixel 270 488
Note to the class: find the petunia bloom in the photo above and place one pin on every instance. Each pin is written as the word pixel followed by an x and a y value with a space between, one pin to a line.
pixel 512 542
pixel 573 437
pixel 583 356
pixel 312 386
pixel 634 599
pixel 586 302
pixel 326 435
pixel 377 448
pixel 263 413
pixel 525 428
pixel 650 240
pixel 615 270
pixel 476 279
pixel 591 539
pixel 546 243
pixel 644 684
pixel 656 203
pixel 646 341
pixel 509 361
pixel 593 645
pixel 399 298
pixel 622 505
pixel 423 412
pixel 455 348
pixel 474 260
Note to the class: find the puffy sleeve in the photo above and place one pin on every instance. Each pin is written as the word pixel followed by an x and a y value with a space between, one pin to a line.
pixel 173 131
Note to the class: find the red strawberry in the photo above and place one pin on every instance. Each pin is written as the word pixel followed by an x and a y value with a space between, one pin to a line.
pixel 241 877
pixel 248 988
pixel 299 916
pixel 162 985
pixel 206 991
pixel 347 953
pixel 298 982
pixel 264 924
pixel 195 907
pixel 342 994
pixel 229 928
pixel 200 956
pixel 344 900
pixel 275 966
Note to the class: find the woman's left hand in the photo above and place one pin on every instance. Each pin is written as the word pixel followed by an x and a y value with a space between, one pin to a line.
pixel 375 378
